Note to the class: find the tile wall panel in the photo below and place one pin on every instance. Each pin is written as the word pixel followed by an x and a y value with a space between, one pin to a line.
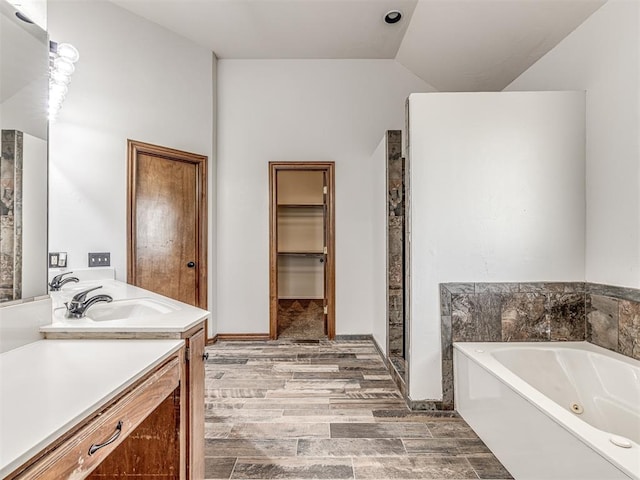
pixel 605 315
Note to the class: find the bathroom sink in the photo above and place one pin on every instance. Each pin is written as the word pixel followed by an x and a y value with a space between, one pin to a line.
pixel 132 308
pixel 123 309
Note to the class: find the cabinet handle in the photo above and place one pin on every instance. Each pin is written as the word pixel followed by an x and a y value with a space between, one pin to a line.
pixel 97 446
pixel 205 356
pixel 191 264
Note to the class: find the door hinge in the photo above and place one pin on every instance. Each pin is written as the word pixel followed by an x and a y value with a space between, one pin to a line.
pixel 324 190
pixel 326 309
pixel 325 250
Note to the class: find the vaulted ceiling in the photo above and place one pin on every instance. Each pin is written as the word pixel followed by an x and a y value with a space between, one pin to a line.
pixel 454 45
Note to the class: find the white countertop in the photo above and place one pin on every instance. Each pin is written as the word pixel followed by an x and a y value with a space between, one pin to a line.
pixel 48 387
pixel 180 317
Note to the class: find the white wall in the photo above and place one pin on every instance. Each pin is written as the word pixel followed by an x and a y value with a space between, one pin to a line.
pixel 34 216
pixel 135 80
pixel 36 10
pixel 23 76
pixel 379 236
pixel 496 182
pixel 300 277
pixel 20 323
pixel 602 56
pixel 288 110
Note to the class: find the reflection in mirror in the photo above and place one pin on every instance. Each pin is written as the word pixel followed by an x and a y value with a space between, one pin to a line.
pixel 24 61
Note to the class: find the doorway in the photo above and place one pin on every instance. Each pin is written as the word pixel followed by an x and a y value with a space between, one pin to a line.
pixel 167 222
pixel 301 250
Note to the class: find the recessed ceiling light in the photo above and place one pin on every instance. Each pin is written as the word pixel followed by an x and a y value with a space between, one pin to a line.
pixel 392 17
pixel 23 17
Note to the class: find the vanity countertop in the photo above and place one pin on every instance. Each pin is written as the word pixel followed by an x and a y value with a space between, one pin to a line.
pixel 48 387
pixel 172 319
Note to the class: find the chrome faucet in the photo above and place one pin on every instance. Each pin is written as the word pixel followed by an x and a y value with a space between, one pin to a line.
pixel 77 307
pixel 57 282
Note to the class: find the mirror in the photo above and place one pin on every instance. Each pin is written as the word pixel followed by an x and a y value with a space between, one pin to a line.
pixel 24 85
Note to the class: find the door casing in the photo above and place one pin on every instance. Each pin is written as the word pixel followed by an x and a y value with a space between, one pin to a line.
pixel 330 284
pixel 134 149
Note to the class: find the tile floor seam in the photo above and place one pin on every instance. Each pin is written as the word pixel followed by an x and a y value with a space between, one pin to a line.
pixel 472 467
pixel 232 468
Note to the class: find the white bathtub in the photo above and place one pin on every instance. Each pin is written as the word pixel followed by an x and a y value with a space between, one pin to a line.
pixel 519 398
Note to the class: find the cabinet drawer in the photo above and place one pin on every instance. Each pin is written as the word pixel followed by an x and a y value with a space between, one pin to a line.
pixel 71 459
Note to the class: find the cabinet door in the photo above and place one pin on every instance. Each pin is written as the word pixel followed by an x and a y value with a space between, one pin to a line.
pixel 196 405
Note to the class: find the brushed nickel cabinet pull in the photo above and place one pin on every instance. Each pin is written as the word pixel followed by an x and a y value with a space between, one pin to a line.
pixel 97 446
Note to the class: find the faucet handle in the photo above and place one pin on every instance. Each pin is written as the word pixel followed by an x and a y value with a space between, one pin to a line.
pixel 81 296
pixel 55 280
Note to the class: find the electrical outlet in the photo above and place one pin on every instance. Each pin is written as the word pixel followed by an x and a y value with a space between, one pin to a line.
pixel 100 259
pixel 57 259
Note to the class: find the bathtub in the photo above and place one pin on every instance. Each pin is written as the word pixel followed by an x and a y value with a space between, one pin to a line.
pixel 552 410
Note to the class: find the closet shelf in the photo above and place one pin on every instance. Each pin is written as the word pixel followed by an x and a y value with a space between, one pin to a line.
pixel 303 254
pixel 300 205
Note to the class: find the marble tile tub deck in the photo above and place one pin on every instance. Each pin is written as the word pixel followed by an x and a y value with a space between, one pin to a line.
pixel 326 410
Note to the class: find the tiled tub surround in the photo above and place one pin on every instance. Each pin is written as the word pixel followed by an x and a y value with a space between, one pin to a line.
pixel 613 318
pixel 605 315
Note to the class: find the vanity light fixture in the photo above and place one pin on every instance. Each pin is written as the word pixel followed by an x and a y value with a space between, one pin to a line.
pixel 392 16
pixel 62 59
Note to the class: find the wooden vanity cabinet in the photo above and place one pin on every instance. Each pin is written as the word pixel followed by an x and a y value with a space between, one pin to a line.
pixel 139 434
pixel 193 391
pixel 195 343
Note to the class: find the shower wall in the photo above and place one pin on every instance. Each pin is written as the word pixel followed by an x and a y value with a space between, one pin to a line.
pixel 395 244
pixel 11 216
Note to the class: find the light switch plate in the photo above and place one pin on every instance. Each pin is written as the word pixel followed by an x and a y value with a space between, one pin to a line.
pixel 99 259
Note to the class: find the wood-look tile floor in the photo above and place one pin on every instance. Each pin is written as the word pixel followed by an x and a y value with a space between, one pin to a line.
pixel 326 410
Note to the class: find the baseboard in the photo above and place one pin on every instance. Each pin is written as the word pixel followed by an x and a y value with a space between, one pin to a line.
pixel 379 350
pixel 240 336
pixel 427 406
pixel 354 337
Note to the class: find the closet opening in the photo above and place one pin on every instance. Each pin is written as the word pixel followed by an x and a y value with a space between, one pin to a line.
pixel 301 250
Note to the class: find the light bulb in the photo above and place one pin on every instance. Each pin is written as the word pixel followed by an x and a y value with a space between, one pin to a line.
pixel 56 101
pixel 64 65
pixel 58 89
pixel 54 107
pixel 60 77
pixel 68 51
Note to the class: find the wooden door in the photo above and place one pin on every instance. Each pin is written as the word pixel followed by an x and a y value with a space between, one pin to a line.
pixel 166 222
pixel 327 253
